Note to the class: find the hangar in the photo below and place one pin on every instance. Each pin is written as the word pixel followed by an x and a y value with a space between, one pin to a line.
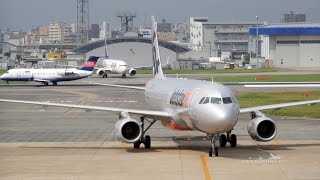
pixel 290 45
pixel 136 51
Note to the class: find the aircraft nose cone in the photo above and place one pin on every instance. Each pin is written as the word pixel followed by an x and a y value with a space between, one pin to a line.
pixel 220 120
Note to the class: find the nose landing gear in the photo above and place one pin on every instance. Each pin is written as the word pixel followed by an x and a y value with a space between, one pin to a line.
pixel 223 139
pixel 214 144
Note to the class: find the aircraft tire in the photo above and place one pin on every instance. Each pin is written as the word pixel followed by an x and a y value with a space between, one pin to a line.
pixel 136 145
pixel 147 142
pixel 233 140
pixel 216 153
pixel 223 140
pixel 210 152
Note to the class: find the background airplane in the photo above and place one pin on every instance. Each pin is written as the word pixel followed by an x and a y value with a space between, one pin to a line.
pixel 183 104
pixel 53 76
pixel 115 66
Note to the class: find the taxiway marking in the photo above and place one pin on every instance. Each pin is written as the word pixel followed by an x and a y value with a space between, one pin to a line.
pixel 205 167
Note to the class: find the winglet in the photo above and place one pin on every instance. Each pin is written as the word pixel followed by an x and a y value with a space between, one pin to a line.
pixel 90 63
pixel 157 68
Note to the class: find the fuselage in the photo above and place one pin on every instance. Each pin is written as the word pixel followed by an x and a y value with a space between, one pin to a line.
pixel 115 66
pixel 193 104
pixel 51 75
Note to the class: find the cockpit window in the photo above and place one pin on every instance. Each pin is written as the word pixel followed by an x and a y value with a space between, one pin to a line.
pixel 202 99
pixel 215 100
pixel 206 101
pixel 226 100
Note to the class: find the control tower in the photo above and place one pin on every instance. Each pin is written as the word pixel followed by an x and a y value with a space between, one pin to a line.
pixel 126 17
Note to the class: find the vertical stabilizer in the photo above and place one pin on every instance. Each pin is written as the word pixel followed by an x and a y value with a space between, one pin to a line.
pixel 89 64
pixel 157 68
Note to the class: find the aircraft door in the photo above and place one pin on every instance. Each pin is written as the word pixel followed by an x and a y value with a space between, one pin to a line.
pixel 192 100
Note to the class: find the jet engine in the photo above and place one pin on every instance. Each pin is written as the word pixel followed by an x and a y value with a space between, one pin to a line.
pixel 262 128
pixel 127 129
pixel 100 72
pixel 66 72
pixel 132 72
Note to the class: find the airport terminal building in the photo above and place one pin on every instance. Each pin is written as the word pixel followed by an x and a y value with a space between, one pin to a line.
pixel 290 45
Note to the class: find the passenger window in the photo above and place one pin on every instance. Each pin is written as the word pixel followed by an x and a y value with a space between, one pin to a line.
pixel 215 100
pixel 226 100
pixel 206 101
pixel 201 101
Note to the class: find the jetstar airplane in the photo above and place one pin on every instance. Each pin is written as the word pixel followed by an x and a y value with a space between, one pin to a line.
pixel 54 76
pixel 184 104
pixel 115 66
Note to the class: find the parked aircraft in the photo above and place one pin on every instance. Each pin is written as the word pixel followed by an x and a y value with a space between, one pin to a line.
pixel 184 104
pixel 53 76
pixel 115 66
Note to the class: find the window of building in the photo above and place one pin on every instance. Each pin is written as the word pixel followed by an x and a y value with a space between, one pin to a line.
pixel 288 42
pixel 310 42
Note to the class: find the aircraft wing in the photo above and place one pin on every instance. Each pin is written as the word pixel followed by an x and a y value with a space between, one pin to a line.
pixel 278 106
pixel 120 86
pixel 274 84
pixel 147 113
pixel 42 80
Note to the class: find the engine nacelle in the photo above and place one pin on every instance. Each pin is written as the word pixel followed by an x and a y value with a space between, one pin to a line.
pixel 262 129
pixel 128 130
pixel 132 72
pixel 100 72
pixel 66 72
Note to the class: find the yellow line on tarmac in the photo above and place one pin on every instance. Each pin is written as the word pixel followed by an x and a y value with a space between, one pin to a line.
pixel 205 167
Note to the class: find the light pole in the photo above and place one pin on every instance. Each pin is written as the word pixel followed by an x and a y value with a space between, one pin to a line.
pixel 257 41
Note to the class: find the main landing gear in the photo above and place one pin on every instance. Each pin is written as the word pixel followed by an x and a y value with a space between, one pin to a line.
pixel 146 140
pixel 104 75
pixel 223 139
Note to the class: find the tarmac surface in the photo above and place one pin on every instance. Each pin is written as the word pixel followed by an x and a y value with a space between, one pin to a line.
pixel 39 142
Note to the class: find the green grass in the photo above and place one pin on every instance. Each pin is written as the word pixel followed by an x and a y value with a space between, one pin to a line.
pixel 265 98
pixel 2 71
pixel 268 78
pixel 210 71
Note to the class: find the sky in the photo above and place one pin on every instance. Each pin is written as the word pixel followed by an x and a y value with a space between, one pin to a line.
pixel 28 14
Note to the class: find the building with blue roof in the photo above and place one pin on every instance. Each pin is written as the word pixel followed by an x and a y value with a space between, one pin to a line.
pixel 290 45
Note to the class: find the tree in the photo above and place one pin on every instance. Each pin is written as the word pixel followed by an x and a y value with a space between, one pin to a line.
pixel 8 54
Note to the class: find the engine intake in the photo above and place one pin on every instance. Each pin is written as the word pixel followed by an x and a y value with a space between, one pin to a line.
pixel 132 72
pixel 100 72
pixel 262 128
pixel 128 130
